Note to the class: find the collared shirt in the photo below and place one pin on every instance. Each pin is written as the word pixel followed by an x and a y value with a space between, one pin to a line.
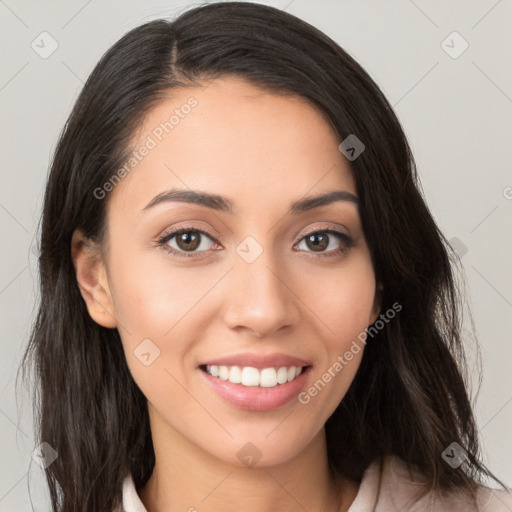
pixel 388 487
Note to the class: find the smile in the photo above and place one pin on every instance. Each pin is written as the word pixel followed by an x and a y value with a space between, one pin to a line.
pixel 254 377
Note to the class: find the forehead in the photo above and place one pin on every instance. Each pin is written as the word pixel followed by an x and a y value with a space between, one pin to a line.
pixel 232 138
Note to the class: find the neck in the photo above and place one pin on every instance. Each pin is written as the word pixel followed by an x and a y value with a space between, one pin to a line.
pixel 185 478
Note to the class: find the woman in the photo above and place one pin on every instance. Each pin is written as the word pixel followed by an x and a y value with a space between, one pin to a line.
pixel 245 302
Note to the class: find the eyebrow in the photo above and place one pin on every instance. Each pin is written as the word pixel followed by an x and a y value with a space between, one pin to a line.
pixel 223 204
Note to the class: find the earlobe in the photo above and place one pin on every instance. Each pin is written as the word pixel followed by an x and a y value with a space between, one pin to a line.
pixel 92 280
pixel 377 303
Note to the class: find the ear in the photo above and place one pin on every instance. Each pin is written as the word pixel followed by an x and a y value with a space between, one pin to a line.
pixel 377 303
pixel 91 276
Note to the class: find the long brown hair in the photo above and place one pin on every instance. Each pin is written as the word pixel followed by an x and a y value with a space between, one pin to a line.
pixel 409 396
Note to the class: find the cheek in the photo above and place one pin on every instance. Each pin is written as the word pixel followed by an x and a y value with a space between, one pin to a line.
pixel 345 307
pixel 343 302
pixel 161 310
pixel 150 295
pixel 154 299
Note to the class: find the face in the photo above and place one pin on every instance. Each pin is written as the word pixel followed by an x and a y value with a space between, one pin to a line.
pixel 247 288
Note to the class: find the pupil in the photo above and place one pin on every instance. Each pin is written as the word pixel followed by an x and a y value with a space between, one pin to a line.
pixel 315 239
pixel 189 241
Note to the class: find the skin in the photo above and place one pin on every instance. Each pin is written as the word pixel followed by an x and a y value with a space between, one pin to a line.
pixel 262 151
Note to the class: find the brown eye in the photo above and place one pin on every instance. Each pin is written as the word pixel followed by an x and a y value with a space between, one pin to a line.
pixel 188 241
pixel 323 242
pixel 317 241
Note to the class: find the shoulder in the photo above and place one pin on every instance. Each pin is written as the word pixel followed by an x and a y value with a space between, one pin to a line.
pixel 395 487
pixel 130 499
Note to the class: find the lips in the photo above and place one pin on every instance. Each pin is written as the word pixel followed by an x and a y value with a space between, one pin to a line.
pixel 265 388
pixel 258 361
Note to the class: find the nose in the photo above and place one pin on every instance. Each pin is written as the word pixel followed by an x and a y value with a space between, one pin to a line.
pixel 261 299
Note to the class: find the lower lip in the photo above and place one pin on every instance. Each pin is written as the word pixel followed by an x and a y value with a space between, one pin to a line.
pixel 255 398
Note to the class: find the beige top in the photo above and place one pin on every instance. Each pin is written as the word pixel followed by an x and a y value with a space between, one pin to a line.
pixel 388 489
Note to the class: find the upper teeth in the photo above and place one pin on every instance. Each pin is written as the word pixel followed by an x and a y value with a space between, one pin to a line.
pixel 249 376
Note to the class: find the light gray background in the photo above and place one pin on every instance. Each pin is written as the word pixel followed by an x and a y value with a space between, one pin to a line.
pixel 456 113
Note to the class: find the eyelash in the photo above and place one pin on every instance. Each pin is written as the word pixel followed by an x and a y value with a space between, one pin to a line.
pixel 347 242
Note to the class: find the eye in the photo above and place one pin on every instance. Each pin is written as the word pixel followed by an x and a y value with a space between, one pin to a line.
pixel 185 240
pixel 189 242
pixel 321 240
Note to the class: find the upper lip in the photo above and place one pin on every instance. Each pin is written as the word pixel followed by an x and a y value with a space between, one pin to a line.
pixel 258 360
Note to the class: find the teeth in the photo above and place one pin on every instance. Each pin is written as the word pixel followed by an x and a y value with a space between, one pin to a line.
pixel 268 378
pixel 235 375
pixel 223 373
pixel 282 375
pixel 249 376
